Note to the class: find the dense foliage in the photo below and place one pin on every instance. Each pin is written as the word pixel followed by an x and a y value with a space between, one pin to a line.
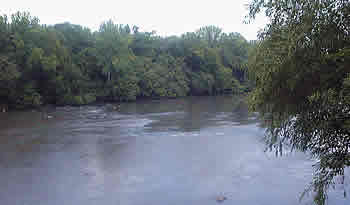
pixel 69 64
pixel 301 69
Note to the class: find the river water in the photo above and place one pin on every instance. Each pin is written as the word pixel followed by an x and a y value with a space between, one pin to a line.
pixel 175 152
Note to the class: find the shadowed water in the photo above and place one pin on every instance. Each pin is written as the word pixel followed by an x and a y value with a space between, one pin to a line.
pixel 174 152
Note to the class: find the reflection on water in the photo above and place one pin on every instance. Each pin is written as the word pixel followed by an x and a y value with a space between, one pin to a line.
pixel 178 151
pixel 193 113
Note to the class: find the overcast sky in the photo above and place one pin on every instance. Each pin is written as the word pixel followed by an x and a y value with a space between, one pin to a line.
pixel 164 16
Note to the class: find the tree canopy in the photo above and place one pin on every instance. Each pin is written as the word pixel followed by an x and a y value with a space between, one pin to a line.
pixel 301 68
pixel 67 64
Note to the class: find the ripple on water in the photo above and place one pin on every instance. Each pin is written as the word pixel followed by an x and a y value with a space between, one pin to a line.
pixel 139 157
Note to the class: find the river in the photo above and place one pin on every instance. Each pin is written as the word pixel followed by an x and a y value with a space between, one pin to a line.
pixel 183 151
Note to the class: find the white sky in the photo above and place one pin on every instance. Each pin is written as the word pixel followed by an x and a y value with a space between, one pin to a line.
pixel 167 17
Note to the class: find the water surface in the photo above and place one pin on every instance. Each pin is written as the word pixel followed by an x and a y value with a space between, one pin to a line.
pixel 174 152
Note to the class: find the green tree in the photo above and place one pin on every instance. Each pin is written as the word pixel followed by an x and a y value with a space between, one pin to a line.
pixel 68 64
pixel 300 66
pixel 211 35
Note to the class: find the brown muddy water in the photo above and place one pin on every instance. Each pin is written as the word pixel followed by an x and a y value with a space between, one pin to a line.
pixel 176 152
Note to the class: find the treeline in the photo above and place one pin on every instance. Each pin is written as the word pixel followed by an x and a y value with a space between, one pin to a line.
pixel 69 64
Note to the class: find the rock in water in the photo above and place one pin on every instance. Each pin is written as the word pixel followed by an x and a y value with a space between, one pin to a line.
pixel 116 107
pixel 220 198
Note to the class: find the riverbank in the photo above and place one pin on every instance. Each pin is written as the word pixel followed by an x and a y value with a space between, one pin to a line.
pixel 66 64
pixel 99 101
